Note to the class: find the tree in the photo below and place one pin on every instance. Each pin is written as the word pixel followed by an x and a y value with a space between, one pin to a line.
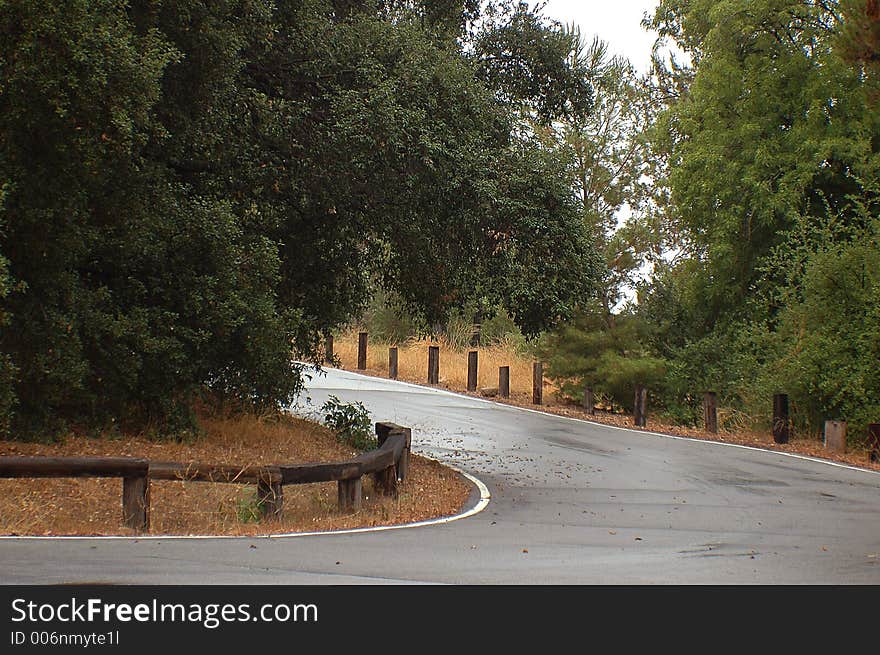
pixel 195 190
pixel 772 151
pixel 608 164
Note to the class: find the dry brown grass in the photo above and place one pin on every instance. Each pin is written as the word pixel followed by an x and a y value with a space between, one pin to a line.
pixel 93 506
pixel 413 367
pixel 412 364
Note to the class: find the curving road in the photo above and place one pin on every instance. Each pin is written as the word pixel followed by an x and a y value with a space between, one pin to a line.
pixel 572 502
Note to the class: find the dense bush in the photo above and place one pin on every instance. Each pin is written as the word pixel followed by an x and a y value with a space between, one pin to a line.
pixel 190 191
pixel 351 423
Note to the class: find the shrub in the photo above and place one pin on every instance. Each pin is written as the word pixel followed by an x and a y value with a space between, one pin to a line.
pixel 351 423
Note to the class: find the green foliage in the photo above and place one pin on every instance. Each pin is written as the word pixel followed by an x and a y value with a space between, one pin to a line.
pixel 351 423
pixel 192 190
pixel 771 126
pixel 386 319
pixel 498 328
pixel 771 141
pixel 828 334
pixel 608 354
pixel 609 166
pixel 249 507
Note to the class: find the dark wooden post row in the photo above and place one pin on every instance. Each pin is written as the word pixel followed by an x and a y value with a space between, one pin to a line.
pixel 392 362
pixel 504 381
pixel 640 406
pixel 362 351
pixel 537 383
pixel 781 425
pixel 433 364
pixel 589 400
pixel 472 371
pixel 710 411
pixel 328 349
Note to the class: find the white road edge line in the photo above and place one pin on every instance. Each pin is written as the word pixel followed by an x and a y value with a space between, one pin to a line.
pixel 617 427
pixel 481 504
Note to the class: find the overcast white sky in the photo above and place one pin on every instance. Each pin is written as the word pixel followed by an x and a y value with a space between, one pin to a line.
pixel 616 21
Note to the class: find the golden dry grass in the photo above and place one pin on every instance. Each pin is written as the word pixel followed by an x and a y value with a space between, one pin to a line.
pixel 412 363
pixel 413 366
pixel 93 506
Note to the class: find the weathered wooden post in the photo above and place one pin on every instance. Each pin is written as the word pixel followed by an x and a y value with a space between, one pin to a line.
pixel 710 411
pixel 472 371
pixel 392 362
pixel 328 349
pixel 640 406
pixel 383 431
pixel 433 364
pixel 537 383
pixel 874 440
pixel 349 494
pixel 270 495
pixel 403 462
pixel 589 400
pixel 835 436
pixel 504 381
pixel 136 499
pixel 362 351
pixel 385 481
pixel 781 425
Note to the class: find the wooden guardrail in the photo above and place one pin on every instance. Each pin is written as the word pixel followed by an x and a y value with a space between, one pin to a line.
pixel 134 473
pixel 388 464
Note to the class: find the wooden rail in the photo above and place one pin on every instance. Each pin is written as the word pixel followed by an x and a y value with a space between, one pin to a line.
pixel 388 464
pixel 134 473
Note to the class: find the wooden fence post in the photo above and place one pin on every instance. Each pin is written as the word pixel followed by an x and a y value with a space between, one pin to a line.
pixel 328 349
pixel 385 481
pixel 537 383
pixel 640 410
pixel 433 364
pixel 835 436
pixel 781 426
pixel 589 400
pixel 136 501
pixel 710 411
pixel 874 440
pixel 403 462
pixel 392 362
pixel 504 381
pixel 472 371
pixel 270 495
pixel 349 494
pixel 383 431
pixel 362 351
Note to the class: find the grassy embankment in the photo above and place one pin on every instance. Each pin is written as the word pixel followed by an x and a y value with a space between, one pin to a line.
pixel 93 506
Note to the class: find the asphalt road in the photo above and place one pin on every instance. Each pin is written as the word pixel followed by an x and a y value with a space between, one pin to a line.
pixel 572 503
